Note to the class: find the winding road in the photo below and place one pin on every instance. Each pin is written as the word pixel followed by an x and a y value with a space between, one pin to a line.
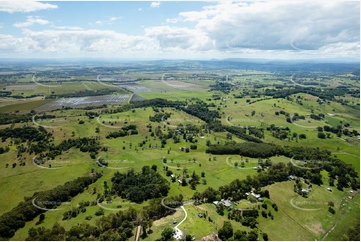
pixel 45 126
pixel 178 232
pixel 37 83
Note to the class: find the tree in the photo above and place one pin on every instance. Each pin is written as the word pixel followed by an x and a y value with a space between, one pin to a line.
pixel 41 218
pixel 99 212
pixel 331 210
pixel 189 237
pixel 240 235
pixel 226 231
pixel 302 136
pixel 265 237
pixel 220 209
pixel 266 193
pixel 154 167
pixel 252 235
pixel 321 135
pixel 167 234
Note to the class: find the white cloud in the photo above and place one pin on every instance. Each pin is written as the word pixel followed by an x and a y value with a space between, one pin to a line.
pixel 108 21
pixel 155 4
pixel 31 20
pixel 139 9
pixel 172 38
pixel 67 27
pixel 1 25
pixel 172 20
pixel 76 42
pixel 277 25
pixel 226 29
pixel 24 6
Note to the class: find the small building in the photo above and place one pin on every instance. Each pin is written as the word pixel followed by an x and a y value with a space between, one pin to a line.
pixel 172 175
pixel 257 196
pixel 329 189
pixel 291 177
pixel 180 180
pixel 227 203
pixel 200 215
pixel 306 190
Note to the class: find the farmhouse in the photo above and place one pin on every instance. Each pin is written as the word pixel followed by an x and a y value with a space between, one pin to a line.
pixel 256 196
pixel 226 203
pixel 291 177
pixel 180 180
pixel 306 190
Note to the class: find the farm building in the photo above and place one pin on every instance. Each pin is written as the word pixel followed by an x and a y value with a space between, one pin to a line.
pixel 255 195
pixel 306 190
pixel 226 203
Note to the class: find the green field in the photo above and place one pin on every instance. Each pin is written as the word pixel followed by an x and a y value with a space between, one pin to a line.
pixel 297 218
pixel 24 106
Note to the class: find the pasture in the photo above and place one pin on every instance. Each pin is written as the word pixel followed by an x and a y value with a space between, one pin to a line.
pixel 298 218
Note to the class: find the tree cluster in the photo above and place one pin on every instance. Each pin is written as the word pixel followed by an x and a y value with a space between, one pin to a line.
pixel 139 187
pixel 11 221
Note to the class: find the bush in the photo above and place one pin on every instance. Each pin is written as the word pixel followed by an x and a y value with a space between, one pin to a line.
pixel 321 135
pixel 99 212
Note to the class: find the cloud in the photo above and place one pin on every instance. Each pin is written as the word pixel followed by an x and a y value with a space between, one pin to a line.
pixel 139 9
pixel 1 25
pixel 24 6
pixel 277 25
pixel 31 20
pixel 172 38
pixel 155 4
pixel 67 27
pixel 225 29
pixel 108 21
pixel 75 42
pixel 172 20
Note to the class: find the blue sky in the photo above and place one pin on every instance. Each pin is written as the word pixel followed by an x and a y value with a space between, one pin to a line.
pixel 172 30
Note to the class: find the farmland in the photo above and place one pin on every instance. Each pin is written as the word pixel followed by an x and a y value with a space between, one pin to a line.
pixel 85 101
pixel 216 134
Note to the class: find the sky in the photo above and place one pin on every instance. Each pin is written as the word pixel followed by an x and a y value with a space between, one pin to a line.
pixel 180 29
